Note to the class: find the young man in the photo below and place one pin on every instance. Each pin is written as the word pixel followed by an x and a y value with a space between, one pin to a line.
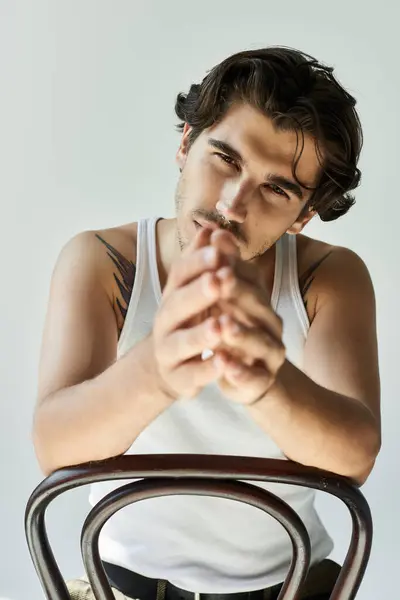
pixel 269 140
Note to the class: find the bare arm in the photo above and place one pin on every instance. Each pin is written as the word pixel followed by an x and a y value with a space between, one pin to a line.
pixel 89 406
pixel 329 415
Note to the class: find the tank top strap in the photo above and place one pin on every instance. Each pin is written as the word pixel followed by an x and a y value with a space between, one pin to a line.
pixel 144 298
pixel 278 272
pixel 292 282
pixel 154 279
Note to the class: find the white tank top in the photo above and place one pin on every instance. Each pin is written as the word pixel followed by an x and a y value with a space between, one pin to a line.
pixel 209 545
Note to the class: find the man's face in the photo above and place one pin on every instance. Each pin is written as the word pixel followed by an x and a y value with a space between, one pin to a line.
pixel 231 170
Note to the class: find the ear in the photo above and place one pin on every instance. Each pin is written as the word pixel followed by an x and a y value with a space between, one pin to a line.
pixel 183 149
pixel 301 221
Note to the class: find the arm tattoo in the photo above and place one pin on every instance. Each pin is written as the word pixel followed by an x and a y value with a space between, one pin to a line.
pixel 124 277
pixel 308 276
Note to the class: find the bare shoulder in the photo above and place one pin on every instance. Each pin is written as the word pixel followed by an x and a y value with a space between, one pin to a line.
pixel 326 270
pixel 113 257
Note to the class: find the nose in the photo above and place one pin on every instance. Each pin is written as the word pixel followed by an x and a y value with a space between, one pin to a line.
pixel 233 204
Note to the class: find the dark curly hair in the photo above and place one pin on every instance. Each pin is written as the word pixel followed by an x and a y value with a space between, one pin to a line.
pixel 298 93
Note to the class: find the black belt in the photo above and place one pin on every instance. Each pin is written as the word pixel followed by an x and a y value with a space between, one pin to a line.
pixel 134 585
pixel 321 579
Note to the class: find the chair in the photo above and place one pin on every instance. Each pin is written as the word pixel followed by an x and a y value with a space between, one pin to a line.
pixel 205 475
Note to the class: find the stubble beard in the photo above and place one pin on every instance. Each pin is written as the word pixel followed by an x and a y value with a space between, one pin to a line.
pixel 180 200
pixel 179 204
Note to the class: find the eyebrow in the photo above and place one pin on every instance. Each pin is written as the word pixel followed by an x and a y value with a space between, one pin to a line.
pixel 274 178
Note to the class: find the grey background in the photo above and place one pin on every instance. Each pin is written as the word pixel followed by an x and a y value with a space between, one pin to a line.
pixel 87 140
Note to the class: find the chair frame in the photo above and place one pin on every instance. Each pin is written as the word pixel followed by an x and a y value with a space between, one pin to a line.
pixel 206 475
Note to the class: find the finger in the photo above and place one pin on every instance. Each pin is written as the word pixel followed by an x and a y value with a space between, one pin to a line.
pixel 201 238
pixel 186 303
pixel 251 299
pixel 191 256
pixel 228 246
pixel 192 265
pixel 184 344
pixel 237 313
pixel 256 380
pixel 225 242
pixel 254 342
pixel 193 375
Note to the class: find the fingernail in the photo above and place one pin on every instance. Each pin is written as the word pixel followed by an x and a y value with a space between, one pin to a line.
pixel 218 363
pixel 224 272
pixel 209 255
pixel 224 320
pixel 208 289
pixel 212 328
pixel 235 328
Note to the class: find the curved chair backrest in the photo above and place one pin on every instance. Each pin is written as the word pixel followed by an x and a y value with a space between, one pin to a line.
pixel 206 475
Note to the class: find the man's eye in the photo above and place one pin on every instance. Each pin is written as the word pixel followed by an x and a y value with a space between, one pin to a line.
pixel 277 190
pixel 227 159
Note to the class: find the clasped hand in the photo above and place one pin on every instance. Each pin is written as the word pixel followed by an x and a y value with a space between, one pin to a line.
pixel 251 350
pixel 215 301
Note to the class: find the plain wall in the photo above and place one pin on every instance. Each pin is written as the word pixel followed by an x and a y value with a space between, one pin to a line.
pixel 87 140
